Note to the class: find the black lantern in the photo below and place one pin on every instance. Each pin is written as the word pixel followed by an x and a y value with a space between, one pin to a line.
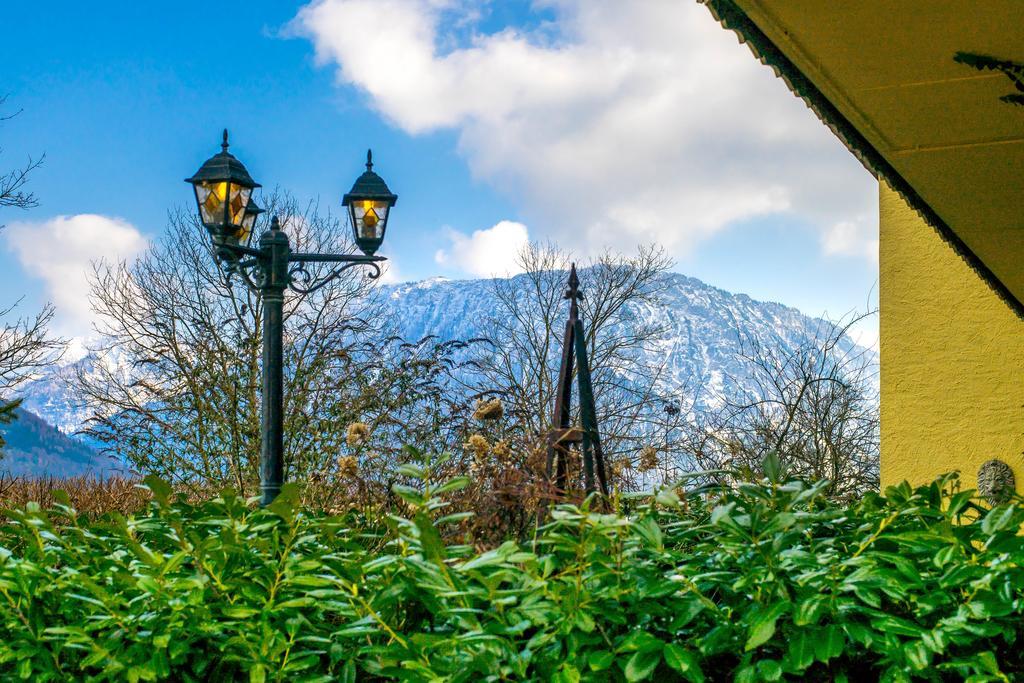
pixel 252 212
pixel 223 192
pixel 369 202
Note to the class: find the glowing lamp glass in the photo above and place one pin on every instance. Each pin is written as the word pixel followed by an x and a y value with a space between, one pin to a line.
pixel 223 190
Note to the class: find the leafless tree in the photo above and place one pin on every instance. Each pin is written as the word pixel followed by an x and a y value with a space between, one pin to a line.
pixel 25 344
pixel 815 406
pixel 26 348
pixel 527 329
pixel 12 183
pixel 175 388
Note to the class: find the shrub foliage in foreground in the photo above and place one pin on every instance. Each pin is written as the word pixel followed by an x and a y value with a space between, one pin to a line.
pixel 765 582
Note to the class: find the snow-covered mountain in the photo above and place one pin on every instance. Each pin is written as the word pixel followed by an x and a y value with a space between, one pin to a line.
pixel 51 396
pixel 706 326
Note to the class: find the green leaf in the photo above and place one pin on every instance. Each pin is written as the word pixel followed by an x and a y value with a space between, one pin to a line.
pixel 917 654
pixel 649 530
pixel 454 484
pixel 667 497
pixel 683 661
pixel 958 502
pixel 412 471
pixel 409 494
pixel 584 621
pixel 433 546
pixel 568 674
pixel 640 641
pixel 997 519
pixel 600 660
pixel 772 466
pixel 722 514
pixel 769 669
pixel 61 497
pixel 257 674
pixel 808 611
pixel 160 489
pixel 762 628
pixel 946 555
pixel 685 609
pixel 746 674
pixel 780 522
pixel 642 664
pixel 988 605
pixel 896 626
pixel 828 643
pixel 287 501
pixel 800 653
pixel 487 559
pixel 988 662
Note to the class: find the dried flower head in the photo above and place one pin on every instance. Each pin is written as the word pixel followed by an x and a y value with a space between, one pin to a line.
pixel 618 468
pixel 648 459
pixel 348 467
pixel 502 451
pixel 478 446
pixel 488 410
pixel 536 459
pixel 358 433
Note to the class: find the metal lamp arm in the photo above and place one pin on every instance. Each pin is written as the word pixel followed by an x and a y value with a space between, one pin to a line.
pixel 307 257
pixel 303 282
pixel 239 250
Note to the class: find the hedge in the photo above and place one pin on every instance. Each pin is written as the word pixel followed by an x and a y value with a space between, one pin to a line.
pixel 766 581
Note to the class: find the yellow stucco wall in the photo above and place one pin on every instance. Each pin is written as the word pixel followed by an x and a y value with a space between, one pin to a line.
pixel 952 358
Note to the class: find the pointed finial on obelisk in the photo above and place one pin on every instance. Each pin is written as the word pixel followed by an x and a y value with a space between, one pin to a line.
pixel 573 293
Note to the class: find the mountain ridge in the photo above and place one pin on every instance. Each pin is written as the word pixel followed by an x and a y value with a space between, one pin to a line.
pixel 707 327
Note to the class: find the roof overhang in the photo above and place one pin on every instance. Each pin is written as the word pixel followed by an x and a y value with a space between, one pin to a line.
pixel 946 132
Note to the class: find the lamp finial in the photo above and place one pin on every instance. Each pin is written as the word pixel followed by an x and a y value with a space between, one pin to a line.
pixel 369 160
pixel 224 143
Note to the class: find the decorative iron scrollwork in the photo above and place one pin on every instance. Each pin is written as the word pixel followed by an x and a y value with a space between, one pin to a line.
pixel 302 281
pixel 250 272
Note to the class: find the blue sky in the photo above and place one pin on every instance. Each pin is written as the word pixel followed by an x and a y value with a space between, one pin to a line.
pixel 592 124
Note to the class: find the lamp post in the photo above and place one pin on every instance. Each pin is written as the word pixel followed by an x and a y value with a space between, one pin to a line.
pixel 223 191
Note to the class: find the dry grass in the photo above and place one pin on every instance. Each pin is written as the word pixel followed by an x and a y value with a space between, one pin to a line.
pixel 96 496
pixel 505 496
pixel 90 495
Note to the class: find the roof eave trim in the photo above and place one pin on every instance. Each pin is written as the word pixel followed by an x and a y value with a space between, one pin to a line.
pixel 732 17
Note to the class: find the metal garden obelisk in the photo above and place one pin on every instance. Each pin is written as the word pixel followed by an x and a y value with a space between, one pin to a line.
pixel 563 435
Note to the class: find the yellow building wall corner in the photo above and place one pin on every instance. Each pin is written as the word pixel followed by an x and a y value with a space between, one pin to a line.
pixel 952 358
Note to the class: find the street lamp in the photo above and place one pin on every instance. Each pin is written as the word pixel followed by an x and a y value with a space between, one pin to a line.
pixel 252 212
pixel 369 202
pixel 223 191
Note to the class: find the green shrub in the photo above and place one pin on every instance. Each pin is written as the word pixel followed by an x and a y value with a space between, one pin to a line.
pixel 765 582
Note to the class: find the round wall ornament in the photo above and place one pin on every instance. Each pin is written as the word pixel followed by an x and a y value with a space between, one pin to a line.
pixel 996 482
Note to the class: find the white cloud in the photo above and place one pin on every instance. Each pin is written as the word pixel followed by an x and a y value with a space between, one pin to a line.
pixel 485 253
pixel 60 252
pixel 865 333
pixel 857 237
pixel 618 123
pixel 390 274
